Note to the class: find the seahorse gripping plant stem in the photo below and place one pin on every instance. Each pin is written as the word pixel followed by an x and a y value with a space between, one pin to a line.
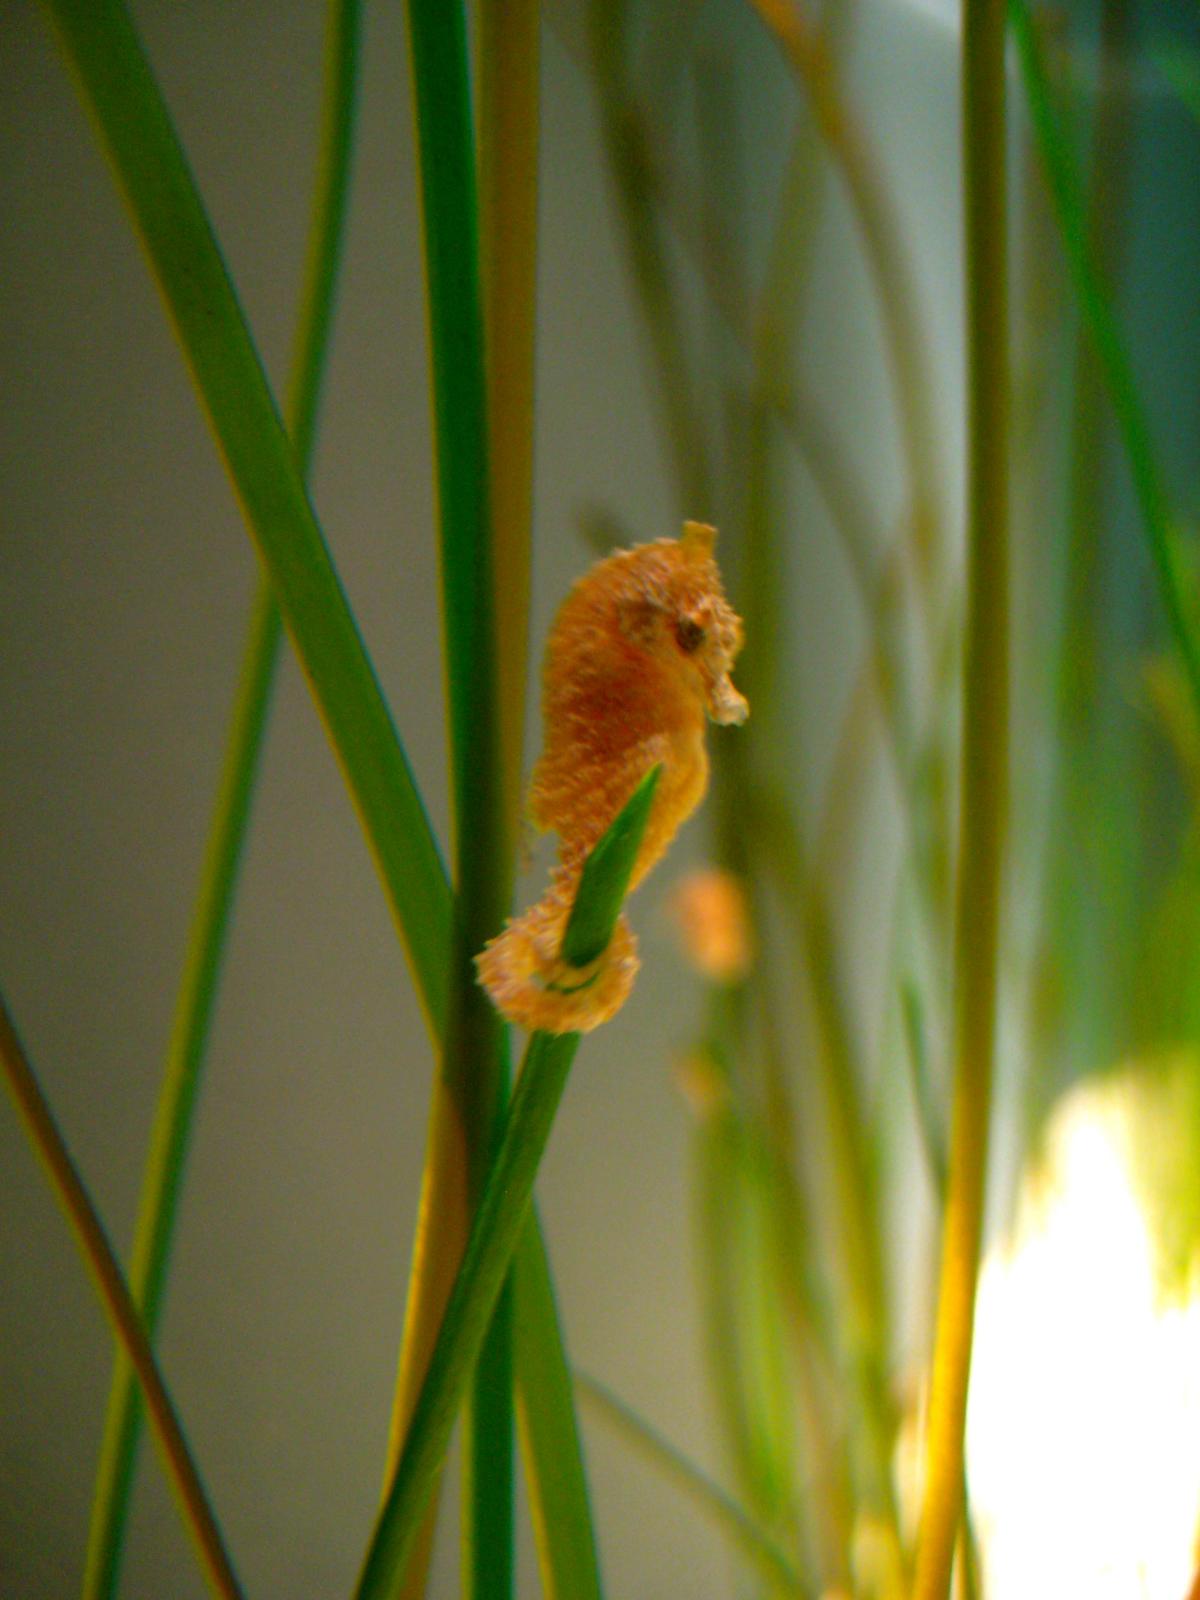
pixel 639 654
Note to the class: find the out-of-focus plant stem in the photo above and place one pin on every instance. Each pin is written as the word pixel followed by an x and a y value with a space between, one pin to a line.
pixel 804 1303
pixel 631 160
pixel 500 1218
pixel 1097 312
pixel 882 236
pixel 849 1159
pixel 754 1541
pixel 118 1302
pixel 984 783
pixel 1077 691
pixel 163 1179
pixel 509 68
pixel 509 120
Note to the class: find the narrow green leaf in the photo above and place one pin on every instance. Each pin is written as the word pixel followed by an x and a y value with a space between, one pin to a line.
pixel 1181 68
pixel 562 1517
pixel 497 1225
pixel 1096 308
pixel 720 1508
pixel 604 882
pixel 475 1062
pixel 162 1182
pixel 135 127
pixel 632 163
pixel 62 1173
pixel 163 1178
pixel 136 131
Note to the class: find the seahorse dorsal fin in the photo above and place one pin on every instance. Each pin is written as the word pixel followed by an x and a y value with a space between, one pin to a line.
pixel 698 538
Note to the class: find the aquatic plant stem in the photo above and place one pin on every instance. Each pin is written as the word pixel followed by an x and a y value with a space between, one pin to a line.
pixel 1097 312
pixel 135 129
pixel 549 1431
pixel 501 1214
pixel 882 237
pixel 118 1302
pixel 162 1181
pixel 755 1543
pixel 984 784
pixel 627 145
pixel 494 1234
pixel 474 1066
pixel 163 1178
pixel 509 116
pixel 139 138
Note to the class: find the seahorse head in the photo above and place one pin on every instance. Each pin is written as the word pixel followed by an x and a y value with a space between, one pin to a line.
pixel 672 603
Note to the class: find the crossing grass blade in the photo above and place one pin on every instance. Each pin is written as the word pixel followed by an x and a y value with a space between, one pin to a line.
pixel 139 138
pixel 1096 309
pixel 163 1179
pixel 501 1214
pixel 60 1169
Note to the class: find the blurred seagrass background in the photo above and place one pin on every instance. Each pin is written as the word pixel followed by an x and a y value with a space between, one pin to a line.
pixel 750 311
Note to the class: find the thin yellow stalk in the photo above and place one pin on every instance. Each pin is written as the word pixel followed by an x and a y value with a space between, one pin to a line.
pixel 984 783
pixel 118 1302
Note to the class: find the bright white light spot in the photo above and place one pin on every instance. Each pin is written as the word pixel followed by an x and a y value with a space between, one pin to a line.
pixel 1083 1438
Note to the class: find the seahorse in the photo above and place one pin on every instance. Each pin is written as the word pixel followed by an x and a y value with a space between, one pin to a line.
pixel 640 652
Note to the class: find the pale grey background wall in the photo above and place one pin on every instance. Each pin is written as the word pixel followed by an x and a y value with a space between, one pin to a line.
pixel 125 577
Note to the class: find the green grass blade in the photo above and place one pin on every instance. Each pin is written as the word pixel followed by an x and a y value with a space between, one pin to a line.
pixel 135 128
pixel 632 162
pixel 140 140
pixel 163 1179
pixel 1097 311
pixel 1181 68
pixel 720 1508
pixel 475 1063
pixel 558 1493
pixel 162 1182
pixel 496 1229
pixel 60 1169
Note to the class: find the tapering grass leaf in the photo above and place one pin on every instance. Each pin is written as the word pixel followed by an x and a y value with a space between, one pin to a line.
pixel 197 996
pixel 1096 308
pixel 886 255
pixel 60 1169
pixel 562 1518
pixel 136 129
pixel 162 1181
pixel 632 162
pixel 475 1062
pixel 163 1178
pixel 755 1543
pixel 496 1228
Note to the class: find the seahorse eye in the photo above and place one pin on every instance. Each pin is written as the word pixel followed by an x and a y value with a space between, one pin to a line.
pixel 689 635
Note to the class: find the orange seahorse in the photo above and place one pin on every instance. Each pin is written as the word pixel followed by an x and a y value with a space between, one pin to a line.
pixel 640 651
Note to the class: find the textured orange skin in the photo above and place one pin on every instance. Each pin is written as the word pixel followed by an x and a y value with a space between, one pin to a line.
pixel 639 654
